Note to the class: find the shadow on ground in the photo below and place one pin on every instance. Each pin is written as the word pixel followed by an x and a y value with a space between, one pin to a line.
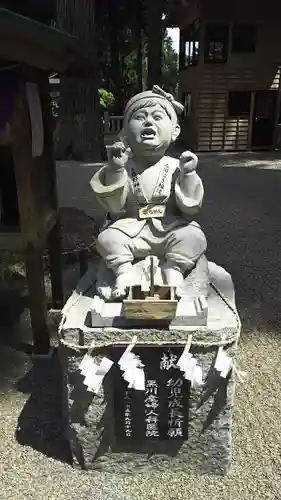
pixel 41 422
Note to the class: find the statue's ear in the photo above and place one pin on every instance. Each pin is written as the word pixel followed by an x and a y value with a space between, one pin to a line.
pixel 176 132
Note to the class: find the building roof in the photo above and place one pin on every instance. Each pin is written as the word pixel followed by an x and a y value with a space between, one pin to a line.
pixel 29 42
pixel 179 10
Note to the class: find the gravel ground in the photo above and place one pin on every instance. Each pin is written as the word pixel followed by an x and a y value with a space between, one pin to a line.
pixel 241 218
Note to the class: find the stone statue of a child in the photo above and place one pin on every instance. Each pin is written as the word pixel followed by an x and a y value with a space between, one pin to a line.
pixel 152 198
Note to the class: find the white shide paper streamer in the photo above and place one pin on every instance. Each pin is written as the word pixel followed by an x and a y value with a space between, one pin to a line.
pixel 187 363
pixel 93 373
pixel 132 367
pixel 224 364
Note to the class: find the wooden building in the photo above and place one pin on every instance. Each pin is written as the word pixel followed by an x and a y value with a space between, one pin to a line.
pixel 230 66
pixel 29 222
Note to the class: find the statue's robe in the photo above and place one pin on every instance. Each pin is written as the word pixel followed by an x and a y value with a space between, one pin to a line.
pixel 129 235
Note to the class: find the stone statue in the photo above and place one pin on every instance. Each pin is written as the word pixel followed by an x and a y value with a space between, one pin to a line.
pixel 152 198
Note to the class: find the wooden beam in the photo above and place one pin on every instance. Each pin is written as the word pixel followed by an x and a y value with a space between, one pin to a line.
pixel 33 43
pixel 9 49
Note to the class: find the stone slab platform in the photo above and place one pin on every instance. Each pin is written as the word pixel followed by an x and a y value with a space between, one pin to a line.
pixel 223 319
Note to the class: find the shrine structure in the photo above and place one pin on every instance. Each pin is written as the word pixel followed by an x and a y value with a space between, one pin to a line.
pixel 29 53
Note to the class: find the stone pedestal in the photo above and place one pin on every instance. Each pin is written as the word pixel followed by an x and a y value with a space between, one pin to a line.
pixel 109 431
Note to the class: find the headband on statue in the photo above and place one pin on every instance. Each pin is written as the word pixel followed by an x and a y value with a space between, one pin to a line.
pixel 155 93
pixel 178 107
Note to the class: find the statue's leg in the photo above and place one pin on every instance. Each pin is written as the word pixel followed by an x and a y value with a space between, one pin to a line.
pixel 183 247
pixel 116 249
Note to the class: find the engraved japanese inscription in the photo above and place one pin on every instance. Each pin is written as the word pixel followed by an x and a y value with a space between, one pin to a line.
pixel 161 411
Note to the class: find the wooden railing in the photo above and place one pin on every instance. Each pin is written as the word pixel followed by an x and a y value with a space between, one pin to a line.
pixel 112 124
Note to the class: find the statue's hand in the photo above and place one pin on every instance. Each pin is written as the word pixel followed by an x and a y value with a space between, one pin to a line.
pixel 188 162
pixel 117 155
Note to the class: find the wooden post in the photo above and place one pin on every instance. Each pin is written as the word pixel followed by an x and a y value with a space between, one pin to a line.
pixel 251 120
pixel 54 237
pixel 37 298
pixel 277 117
pixel 54 243
pixel 25 169
pixel 139 39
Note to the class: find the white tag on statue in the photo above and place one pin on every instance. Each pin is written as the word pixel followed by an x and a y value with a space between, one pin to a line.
pixel 152 211
pixel 223 363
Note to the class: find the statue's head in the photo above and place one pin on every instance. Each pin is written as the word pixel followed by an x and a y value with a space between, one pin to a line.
pixel 151 122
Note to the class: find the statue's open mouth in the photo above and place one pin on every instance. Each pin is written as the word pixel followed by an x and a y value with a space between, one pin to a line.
pixel 148 133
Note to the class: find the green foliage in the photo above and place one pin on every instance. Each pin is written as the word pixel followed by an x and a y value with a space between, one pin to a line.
pixel 107 99
pixel 121 28
pixel 170 67
pixel 170 71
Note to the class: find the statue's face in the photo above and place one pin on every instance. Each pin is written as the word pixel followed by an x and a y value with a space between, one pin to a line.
pixel 150 130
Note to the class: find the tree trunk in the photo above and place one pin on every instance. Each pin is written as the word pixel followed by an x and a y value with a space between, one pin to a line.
pixel 154 12
pixel 139 39
pixel 79 129
pixel 115 55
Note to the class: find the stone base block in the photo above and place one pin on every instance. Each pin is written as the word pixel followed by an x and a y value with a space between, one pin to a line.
pixel 170 425
pixel 97 423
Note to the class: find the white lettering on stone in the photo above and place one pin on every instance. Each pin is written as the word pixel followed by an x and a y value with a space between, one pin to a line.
pixel 151 404
pixel 168 361
pixel 127 415
pixel 175 407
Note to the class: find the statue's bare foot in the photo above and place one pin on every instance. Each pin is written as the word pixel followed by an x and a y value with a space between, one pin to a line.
pixel 118 293
pixel 104 292
pixel 174 278
pixel 120 290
